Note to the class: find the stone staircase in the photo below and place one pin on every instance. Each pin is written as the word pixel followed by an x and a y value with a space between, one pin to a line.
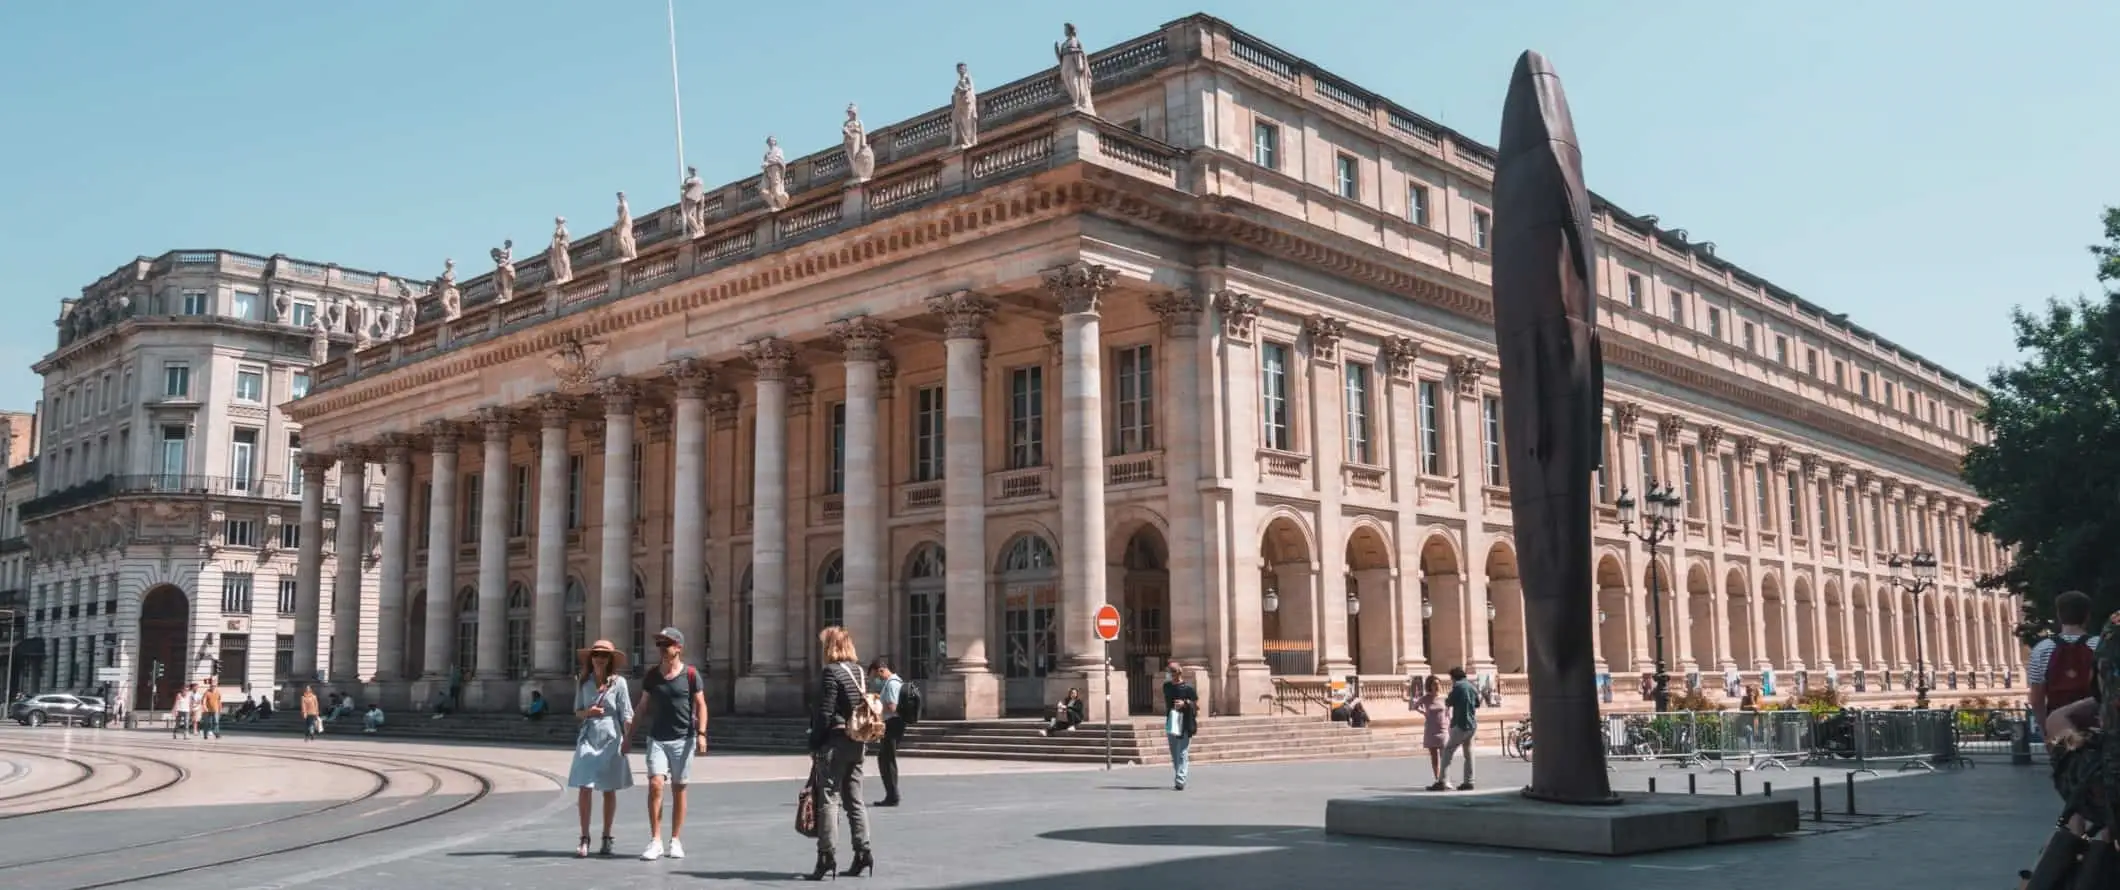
pixel 723 733
pixel 1141 741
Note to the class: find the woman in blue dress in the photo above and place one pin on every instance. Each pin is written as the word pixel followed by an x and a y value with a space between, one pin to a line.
pixel 605 709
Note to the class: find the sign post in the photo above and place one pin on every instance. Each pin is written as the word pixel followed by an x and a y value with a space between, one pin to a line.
pixel 1107 630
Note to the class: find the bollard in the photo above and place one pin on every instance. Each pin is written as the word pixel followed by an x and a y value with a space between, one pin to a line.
pixel 2021 744
pixel 1692 783
pixel 1769 791
pixel 1738 779
pixel 1652 784
pixel 1851 793
pixel 1818 799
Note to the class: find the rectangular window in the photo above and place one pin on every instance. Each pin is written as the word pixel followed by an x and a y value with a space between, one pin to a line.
pixel 290 591
pixel 174 438
pixel 1678 308
pixel 235 657
pixel 1876 523
pixel 1491 413
pixel 1795 496
pixel 1266 145
pixel 290 536
pixel 426 514
pixel 469 508
pixel 1273 397
pixel 242 459
pixel 104 405
pixel 1688 465
pixel 1417 205
pixel 1781 350
pixel 239 533
pixel 302 315
pixel 1357 391
pixel 297 385
pixel 1604 463
pixel 835 475
pixel 1715 322
pixel 1891 394
pixel 244 305
pixel 235 595
pixel 1751 337
pixel 928 417
pixel 1431 428
pixel 176 380
pixel 1840 374
pixel 519 506
pixel 1349 180
pixel 1482 228
pixel 125 394
pixel 1134 417
pixel 1645 462
pixel 250 385
pixel 1810 361
pixel 1634 291
pixel 1761 508
pixel 1026 417
pixel 575 471
pixel 294 464
pixel 1862 383
pixel 1729 491
pixel 1825 511
pixel 195 302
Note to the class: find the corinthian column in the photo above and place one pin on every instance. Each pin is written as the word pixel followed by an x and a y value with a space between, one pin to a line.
pixel 309 567
pixel 614 611
pixel 1192 612
pixel 688 550
pixel 390 587
pixel 861 552
pixel 346 588
pixel 1084 578
pixel 769 528
pixel 492 658
pixel 968 687
pixel 441 552
pixel 548 634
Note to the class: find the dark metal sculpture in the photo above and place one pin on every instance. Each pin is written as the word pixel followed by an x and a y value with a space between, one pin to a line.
pixel 1553 393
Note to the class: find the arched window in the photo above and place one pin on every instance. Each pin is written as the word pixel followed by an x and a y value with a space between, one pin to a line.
pixel 831 592
pixel 640 620
pixel 926 645
pixel 518 631
pixel 1030 603
pixel 576 610
pixel 467 630
pixel 1027 553
pixel 743 621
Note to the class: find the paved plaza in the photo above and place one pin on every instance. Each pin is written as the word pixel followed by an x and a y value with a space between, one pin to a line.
pixel 82 809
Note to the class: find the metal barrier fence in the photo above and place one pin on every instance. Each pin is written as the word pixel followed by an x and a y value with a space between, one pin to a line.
pixel 1740 741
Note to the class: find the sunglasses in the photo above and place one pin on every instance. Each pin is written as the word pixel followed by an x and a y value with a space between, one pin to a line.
pixel 599 655
pixel 665 644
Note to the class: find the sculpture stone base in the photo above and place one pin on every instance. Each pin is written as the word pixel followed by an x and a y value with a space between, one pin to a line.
pixel 959 695
pixel 770 696
pixel 1640 823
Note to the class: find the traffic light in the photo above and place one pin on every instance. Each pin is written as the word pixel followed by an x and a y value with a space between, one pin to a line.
pixel 158 668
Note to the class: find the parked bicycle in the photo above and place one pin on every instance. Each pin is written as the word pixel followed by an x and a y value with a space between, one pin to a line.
pixel 1517 742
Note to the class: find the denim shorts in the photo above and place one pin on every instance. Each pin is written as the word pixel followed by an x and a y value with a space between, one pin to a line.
pixel 671 760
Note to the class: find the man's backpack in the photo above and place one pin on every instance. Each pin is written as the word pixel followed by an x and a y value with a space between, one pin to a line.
pixel 909 703
pixel 2071 672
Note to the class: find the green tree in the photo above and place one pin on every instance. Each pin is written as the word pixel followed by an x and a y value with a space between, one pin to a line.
pixel 2050 469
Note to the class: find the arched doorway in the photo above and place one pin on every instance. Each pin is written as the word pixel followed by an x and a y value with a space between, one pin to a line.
pixel 1285 586
pixel 574 609
pixel 518 639
pixel 1613 616
pixel 1030 599
pixel 926 636
pixel 1144 623
pixel 1505 611
pixel 467 632
pixel 1862 649
pixel 1739 604
pixel 831 592
pixel 1372 608
pixel 1775 616
pixel 1442 606
pixel 1837 653
pixel 416 634
pixel 165 625
pixel 1806 625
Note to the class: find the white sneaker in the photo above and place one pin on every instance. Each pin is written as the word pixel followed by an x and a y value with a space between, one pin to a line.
pixel 654 850
pixel 677 849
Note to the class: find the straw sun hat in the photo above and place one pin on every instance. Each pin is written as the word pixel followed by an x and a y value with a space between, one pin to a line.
pixel 618 658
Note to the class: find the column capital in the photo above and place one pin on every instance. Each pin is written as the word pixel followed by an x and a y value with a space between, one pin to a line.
pixel 1239 312
pixel 1179 310
pixel 770 356
pixel 1777 457
pixel 1711 436
pixel 1894 490
pixel 1465 372
pixel 396 447
pixel 1867 481
pixel 1400 354
pixel 860 337
pixel 655 424
pixel 1079 287
pixel 1669 426
pixel 1053 336
pixel 1840 475
pixel 692 376
pixel 1624 414
pixel 498 423
pixel 619 394
pixel 800 388
pixel 444 435
pixel 317 462
pixel 722 406
pixel 356 452
pixel 1325 335
pixel 1747 446
pixel 964 314
pixel 555 411
pixel 1813 468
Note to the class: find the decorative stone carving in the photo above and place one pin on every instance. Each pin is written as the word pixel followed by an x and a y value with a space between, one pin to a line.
pixel 593 433
pixel 575 363
pixel 1079 287
pixel 1325 335
pixel 1840 475
pixel 1400 354
pixel 800 388
pixel 964 110
pixel 1179 310
pixel 1239 313
pixel 1711 436
pixel 1670 426
pixel 655 424
pixel 497 423
pixel 619 394
pixel 282 304
pixel 1811 466
pixel 1747 446
pixel 861 159
pixel 557 259
pixel 1865 480
pixel 408 310
pixel 1074 71
pixel 363 323
pixel 887 371
pixel 860 337
pixel 270 543
pixel 1465 373
pixel 375 541
pixel 722 407
pixel 1625 415
pixel 443 435
pixel 622 231
pixel 964 314
pixel 319 341
pixel 692 376
pixel 445 288
pixel 1777 457
pixel 773 177
pixel 504 272
pixel 555 411
pixel 771 356
pixel 692 203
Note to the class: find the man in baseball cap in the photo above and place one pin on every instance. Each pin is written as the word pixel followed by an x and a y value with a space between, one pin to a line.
pixel 674 706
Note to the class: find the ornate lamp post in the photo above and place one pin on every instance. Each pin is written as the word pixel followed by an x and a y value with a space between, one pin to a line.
pixel 1916 576
pixel 1657 524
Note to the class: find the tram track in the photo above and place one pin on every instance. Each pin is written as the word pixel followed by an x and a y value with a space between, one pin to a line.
pixel 87 770
pixel 134 771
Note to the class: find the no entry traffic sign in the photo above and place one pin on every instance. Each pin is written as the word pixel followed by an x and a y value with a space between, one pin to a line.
pixel 1107 622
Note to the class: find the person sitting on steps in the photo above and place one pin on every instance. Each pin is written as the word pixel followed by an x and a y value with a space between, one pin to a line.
pixel 1069 713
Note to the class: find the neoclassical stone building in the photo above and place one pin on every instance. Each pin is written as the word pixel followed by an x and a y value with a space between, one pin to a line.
pixel 1209 341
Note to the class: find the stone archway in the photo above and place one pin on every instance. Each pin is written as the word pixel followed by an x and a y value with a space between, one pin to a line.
pixel 1737 622
pixel 1806 625
pixel 1864 651
pixel 1773 615
pixel 1613 616
pixel 1505 611
pixel 1837 654
pixel 164 634
pixel 1029 575
pixel 926 613
pixel 1372 609
pixel 1144 623
pixel 1442 606
pixel 1289 585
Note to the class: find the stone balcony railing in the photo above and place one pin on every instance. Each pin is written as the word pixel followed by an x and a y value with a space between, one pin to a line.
pixel 1282 464
pixel 1361 477
pixel 266 488
pixel 1028 483
pixel 1126 470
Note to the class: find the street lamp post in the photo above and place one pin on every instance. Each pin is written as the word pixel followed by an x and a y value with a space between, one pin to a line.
pixel 7 622
pixel 1916 576
pixel 1657 524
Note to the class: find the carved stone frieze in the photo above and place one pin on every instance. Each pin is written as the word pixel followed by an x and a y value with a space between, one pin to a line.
pixel 1079 287
pixel 964 314
pixel 575 363
pixel 861 337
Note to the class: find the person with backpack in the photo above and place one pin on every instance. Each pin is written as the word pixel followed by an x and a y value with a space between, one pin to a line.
pixel 846 718
pixel 2063 668
pixel 1464 704
pixel 673 702
pixel 901 705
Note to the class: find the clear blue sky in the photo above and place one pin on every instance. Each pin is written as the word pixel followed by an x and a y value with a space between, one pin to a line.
pixel 1922 166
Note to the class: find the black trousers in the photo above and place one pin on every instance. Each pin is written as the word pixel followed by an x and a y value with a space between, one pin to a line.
pixel 887 756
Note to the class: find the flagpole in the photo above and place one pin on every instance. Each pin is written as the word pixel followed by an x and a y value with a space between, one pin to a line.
pixel 676 100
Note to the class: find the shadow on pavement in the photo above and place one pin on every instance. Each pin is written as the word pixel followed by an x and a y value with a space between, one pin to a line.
pixel 1184 835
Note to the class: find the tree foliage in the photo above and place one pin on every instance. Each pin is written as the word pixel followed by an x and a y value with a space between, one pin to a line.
pixel 2050 469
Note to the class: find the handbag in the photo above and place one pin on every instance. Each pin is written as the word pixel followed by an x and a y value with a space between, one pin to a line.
pixel 865 723
pixel 806 806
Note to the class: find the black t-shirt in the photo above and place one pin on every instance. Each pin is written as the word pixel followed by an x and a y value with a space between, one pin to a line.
pixel 672 714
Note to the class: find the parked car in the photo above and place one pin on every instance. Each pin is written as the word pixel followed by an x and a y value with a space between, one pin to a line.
pixel 59 708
